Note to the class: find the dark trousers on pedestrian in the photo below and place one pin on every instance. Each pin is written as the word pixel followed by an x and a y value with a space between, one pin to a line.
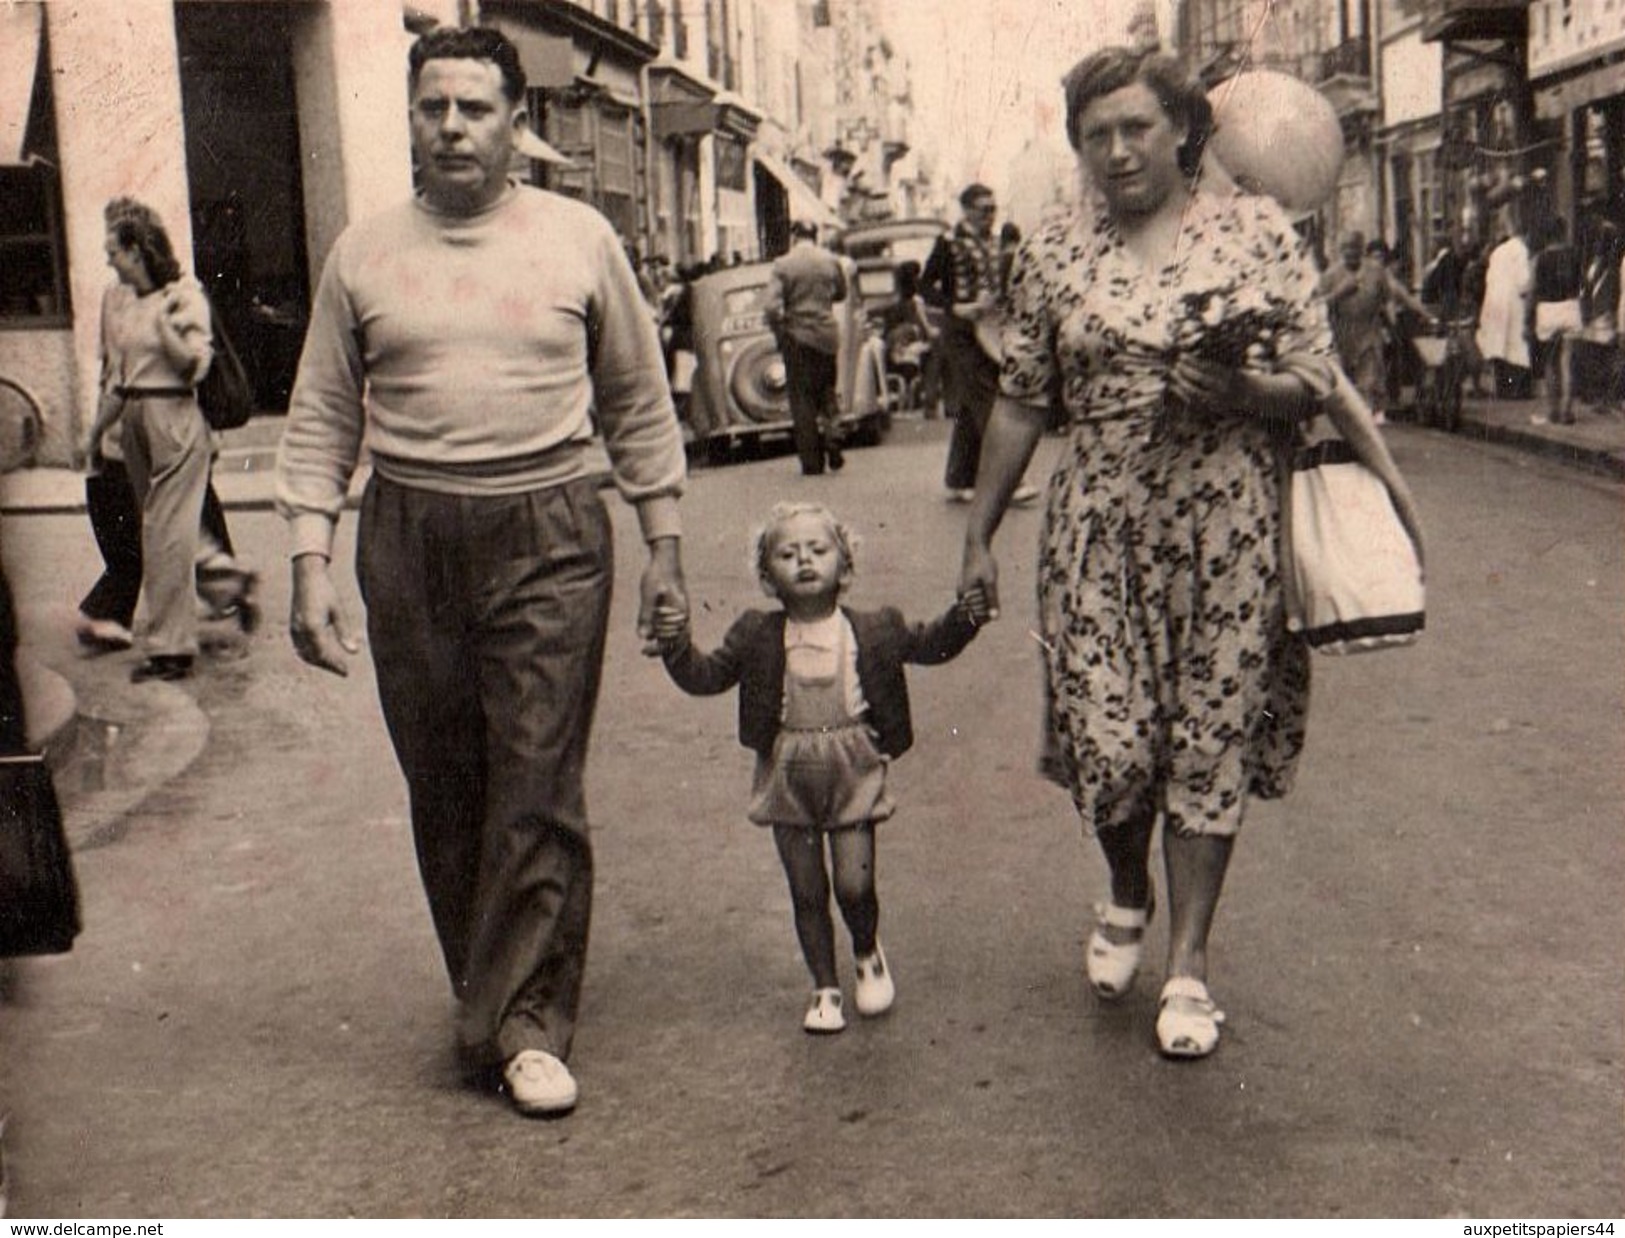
pixel 811 378
pixel 115 520
pixel 487 619
pixel 970 384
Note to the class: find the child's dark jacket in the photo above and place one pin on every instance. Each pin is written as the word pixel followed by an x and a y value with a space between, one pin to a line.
pixel 752 656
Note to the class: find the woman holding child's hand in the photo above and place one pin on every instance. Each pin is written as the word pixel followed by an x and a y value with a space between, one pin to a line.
pixel 1174 689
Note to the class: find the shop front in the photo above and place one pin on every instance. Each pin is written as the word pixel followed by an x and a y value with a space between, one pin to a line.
pixel 1577 69
pixel 1495 164
pixel 585 99
pixel 243 126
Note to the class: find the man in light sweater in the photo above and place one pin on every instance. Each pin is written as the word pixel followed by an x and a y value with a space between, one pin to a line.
pixel 482 322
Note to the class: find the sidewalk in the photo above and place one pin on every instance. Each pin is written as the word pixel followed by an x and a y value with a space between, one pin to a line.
pixel 1595 442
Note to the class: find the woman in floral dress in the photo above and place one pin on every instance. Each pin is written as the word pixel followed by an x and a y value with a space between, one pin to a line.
pixel 1179 319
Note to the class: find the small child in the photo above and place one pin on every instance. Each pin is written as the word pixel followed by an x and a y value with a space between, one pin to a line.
pixel 823 702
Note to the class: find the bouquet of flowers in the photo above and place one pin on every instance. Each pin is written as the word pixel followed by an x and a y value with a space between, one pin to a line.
pixel 1230 325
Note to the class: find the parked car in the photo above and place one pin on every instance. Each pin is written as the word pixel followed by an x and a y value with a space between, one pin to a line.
pixel 739 391
pixel 878 249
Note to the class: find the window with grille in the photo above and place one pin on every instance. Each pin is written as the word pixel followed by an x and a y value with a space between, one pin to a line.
pixel 617 176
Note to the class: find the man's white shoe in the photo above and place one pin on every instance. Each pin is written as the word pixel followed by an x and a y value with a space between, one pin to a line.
pixel 824 1017
pixel 875 991
pixel 539 1084
pixel 1023 495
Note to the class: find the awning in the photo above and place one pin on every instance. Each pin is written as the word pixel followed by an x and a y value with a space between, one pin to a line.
pixel 20 26
pixel 1470 20
pixel 1556 102
pixel 804 203
pixel 687 117
pixel 549 59
pixel 532 146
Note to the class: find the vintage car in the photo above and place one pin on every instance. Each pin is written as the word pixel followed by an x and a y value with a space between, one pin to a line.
pixel 878 249
pixel 739 393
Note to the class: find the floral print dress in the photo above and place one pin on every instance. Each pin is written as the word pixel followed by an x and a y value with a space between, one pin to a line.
pixel 1174 685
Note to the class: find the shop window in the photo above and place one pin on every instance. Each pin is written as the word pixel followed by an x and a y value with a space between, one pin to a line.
pixel 732 163
pixel 33 246
pixel 1431 225
pixel 567 127
pixel 598 140
pixel 617 177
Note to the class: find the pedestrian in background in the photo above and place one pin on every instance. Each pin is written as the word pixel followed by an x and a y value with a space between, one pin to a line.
pixel 1503 320
pixel 484 320
pixel 107 613
pixel 961 278
pixel 823 702
pixel 1596 358
pixel 907 336
pixel 1176 691
pixel 806 284
pixel 157 344
pixel 1360 294
pixel 1555 283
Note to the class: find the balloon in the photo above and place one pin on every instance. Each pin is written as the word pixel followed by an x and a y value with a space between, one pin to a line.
pixel 1277 135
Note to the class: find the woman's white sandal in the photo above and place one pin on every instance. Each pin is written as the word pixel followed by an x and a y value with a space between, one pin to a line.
pixel 1187 1020
pixel 1112 966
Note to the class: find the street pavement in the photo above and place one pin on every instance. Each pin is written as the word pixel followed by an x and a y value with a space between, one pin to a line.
pixel 1417 950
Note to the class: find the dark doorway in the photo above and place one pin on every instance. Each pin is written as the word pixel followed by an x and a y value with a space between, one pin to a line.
pixel 243 165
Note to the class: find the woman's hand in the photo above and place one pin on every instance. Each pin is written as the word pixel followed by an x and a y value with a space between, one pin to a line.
pixel 1208 386
pixel 979 581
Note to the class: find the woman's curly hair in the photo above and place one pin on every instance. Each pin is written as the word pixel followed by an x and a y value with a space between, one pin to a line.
pixel 136 225
pixel 1180 94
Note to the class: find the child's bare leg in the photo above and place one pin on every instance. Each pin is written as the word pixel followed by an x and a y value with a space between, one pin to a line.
pixel 801 851
pixel 852 852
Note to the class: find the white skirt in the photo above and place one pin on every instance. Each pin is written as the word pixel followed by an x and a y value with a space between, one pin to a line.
pixel 1553 318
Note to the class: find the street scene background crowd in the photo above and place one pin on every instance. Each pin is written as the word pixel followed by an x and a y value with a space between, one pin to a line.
pixel 1161 681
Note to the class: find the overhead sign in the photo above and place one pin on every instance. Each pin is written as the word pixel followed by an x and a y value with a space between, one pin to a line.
pixel 1564 33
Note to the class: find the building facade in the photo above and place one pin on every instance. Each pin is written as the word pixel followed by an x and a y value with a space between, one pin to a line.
pixel 256 131
pixel 259 129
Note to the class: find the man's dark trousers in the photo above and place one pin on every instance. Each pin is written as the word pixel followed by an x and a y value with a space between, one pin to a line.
pixel 810 375
pixel 970 384
pixel 487 618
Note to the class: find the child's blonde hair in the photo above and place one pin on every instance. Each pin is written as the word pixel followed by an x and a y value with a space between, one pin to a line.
pixel 761 539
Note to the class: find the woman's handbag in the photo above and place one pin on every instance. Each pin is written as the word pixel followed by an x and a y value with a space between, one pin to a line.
pixel 224 394
pixel 1353 575
pixel 39 899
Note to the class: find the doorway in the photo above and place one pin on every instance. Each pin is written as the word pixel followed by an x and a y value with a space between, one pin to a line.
pixel 243 167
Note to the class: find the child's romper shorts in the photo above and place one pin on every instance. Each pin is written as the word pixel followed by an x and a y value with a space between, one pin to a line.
pixel 825 772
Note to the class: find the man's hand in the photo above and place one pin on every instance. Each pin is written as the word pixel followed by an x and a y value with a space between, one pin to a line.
pixel 316 620
pixel 670 622
pixel 662 591
pixel 973 602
